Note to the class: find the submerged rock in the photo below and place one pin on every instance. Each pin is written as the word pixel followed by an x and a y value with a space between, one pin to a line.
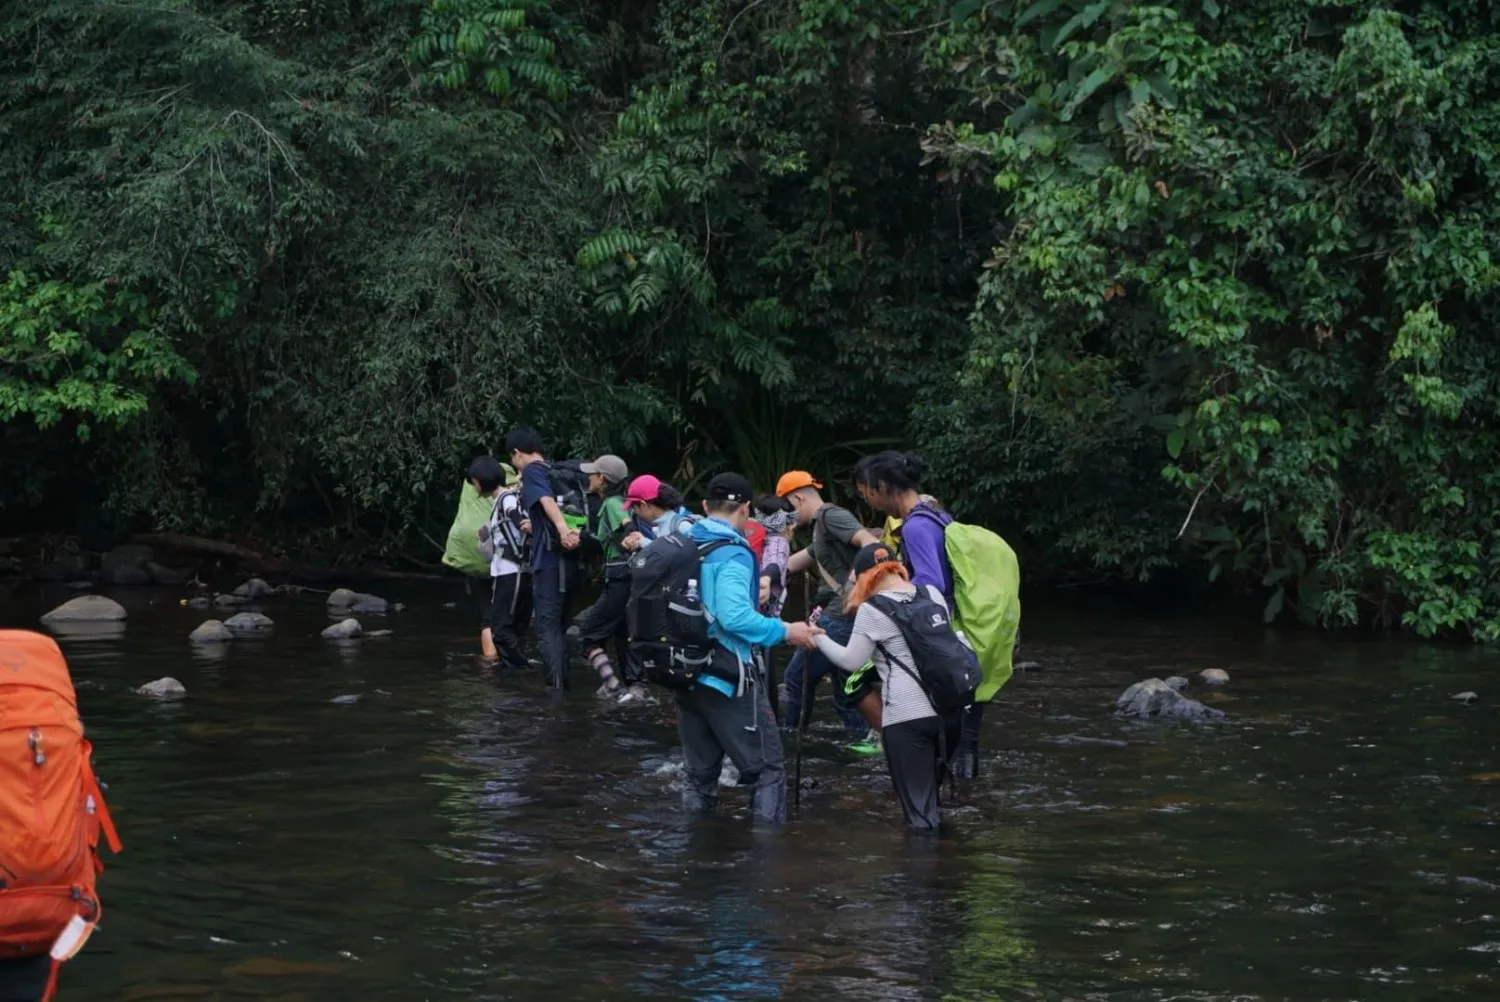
pixel 1177 682
pixel 345 630
pixel 230 601
pixel 1154 698
pixel 358 601
pixel 1466 697
pixel 345 700
pixel 86 609
pixel 1214 676
pixel 126 565
pixel 248 622
pixel 201 602
pixel 378 633
pixel 254 588
pixel 163 688
pixel 211 632
pixel 80 585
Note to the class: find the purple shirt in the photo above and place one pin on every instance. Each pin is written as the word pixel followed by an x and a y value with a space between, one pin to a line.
pixel 923 549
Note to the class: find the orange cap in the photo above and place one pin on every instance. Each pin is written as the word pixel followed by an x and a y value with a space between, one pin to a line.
pixel 795 480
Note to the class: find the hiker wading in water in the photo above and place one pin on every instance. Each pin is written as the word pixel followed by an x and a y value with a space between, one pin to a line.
pixel 605 619
pixel 726 711
pixel 836 537
pixel 891 483
pixel 915 736
pixel 554 567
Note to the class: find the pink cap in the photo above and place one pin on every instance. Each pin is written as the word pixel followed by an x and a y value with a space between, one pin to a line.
pixel 644 489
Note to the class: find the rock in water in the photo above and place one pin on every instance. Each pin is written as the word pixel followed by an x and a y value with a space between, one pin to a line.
pixel 1154 698
pixel 379 633
pixel 248 622
pixel 1177 682
pixel 342 598
pixel 201 602
pixel 86 609
pixel 163 575
pixel 255 588
pixel 345 700
pixel 1466 697
pixel 346 630
pixel 358 601
pixel 230 601
pixel 1214 676
pixel 126 565
pixel 163 688
pixel 211 632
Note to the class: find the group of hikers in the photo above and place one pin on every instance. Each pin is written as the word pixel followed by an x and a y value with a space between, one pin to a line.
pixel 913 624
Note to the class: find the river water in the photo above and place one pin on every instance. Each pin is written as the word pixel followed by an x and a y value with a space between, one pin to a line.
pixel 453 835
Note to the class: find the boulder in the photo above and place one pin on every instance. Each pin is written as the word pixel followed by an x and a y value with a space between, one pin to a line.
pixel 163 575
pixel 342 598
pixel 201 602
pixel 370 604
pixel 86 609
pixel 230 601
pixel 69 565
pixel 211 632
pixel 1466 697
pixel 346 630
pixel 126 565
pixel 1177 682
pixel 1214 676
pixel 255 588
pixel 1154 698
pixel 248 622
pixel 163 688
pixel 358 601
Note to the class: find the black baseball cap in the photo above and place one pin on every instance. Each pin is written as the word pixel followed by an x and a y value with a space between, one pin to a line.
pixel 730 487
pixel 872 555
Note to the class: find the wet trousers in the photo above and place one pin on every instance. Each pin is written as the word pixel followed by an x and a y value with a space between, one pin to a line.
pixel 914 752
pixel 713 725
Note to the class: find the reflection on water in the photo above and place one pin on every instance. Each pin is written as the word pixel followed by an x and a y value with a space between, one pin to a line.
pixel 453 835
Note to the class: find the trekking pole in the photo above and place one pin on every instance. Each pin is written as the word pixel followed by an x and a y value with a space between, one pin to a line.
pixel 802 708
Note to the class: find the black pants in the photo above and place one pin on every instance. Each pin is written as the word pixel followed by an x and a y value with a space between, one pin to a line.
pixel 605 621
pixel 966 761
pixel 914 752
pixel 507 614
pixel 24 980
pixel 712 725
pixel 550 599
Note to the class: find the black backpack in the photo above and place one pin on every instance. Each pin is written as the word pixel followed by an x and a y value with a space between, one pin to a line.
pixel 570 485
pixel 664 617
pixel 946 669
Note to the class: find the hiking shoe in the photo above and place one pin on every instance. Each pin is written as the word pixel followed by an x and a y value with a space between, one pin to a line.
pixel 609 690
pixel 867 745
pixel 637 694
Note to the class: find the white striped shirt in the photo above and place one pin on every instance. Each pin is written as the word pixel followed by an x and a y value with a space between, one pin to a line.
pixel 877 637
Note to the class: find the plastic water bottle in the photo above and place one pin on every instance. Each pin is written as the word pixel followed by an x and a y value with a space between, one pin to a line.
pixel 692 591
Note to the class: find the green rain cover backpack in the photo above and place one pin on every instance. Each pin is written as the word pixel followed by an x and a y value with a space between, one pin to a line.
pixel 462 552
pixel 986 599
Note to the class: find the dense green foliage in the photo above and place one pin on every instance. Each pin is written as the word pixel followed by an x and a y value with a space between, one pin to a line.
pixel 1190 286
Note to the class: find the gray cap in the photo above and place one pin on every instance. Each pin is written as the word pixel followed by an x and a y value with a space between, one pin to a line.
pixel 613 468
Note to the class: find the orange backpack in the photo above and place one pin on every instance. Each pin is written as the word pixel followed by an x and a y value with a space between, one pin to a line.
pixel 51 810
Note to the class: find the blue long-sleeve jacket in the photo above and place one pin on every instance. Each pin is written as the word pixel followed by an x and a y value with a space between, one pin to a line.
pixel 731 593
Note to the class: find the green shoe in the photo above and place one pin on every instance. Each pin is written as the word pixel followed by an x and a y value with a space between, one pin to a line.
pixel 868 745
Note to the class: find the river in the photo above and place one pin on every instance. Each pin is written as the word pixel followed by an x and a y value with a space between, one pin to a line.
pixel 452 835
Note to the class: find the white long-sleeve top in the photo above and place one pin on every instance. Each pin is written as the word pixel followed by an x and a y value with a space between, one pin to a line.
pixel 877 638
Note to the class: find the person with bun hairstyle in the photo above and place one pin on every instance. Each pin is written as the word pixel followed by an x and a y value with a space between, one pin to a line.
pixel 915 736
pixel 891 483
